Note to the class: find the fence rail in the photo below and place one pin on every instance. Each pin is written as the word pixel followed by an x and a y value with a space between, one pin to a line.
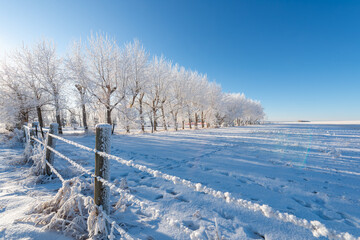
pixel 315 227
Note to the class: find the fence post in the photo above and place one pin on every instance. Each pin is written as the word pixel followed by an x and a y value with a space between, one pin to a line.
pixel 49 155
pixel 24 132
pixel 35 125
pixel 102 166
pixel 31 135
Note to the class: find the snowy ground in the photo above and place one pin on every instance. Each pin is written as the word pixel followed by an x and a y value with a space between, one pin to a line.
pixel 16 197
pixel 310 171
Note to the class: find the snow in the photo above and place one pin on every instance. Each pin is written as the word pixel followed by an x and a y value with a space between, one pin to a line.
pixel 16 198
pixel 273 181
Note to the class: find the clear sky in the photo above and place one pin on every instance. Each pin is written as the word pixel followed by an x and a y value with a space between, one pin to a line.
pixel 301 59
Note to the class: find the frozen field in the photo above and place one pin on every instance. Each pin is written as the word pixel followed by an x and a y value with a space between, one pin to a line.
pixel 310 171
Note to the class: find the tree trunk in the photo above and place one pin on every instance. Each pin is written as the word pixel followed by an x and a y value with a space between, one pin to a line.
pixel 163 117
pixel 190 123
pixel 58 120
pixel 183 124
pixel 142 122
pixel 108 115
pixel 175 121
pixel 57 111
pixel 84 119
pixel 152 123
pixel 40 119
pixel 155 122
pixel 202 120
pixel 196 121
pixel 23 117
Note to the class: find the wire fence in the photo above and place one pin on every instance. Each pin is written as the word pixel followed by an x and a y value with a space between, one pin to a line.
pixel 144 206
pixel 114 225
pixel 317 228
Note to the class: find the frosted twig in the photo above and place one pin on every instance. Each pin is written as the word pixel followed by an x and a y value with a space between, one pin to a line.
pixel 47 163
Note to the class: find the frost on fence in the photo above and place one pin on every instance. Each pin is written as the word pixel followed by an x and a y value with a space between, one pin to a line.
pixel 70 211
pixel 102 166
pixel 73 213
pixel 144 206
pixel 66 212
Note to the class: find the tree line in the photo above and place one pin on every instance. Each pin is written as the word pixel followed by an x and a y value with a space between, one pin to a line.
pixel 99 81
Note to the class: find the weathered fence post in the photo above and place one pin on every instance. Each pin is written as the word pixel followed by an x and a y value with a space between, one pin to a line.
pixel 24 132
pixel 35 125
pixel 31 135
pixel 102 166
pixel 49 155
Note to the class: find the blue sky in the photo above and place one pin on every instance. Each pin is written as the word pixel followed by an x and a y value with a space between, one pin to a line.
pixel 301 59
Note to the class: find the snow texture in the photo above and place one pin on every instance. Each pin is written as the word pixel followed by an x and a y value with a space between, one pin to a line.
pixel 276 181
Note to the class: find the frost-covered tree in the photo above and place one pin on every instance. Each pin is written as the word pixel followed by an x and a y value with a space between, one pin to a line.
pixel 106 81
pixel 46 69
pixel 111 83
pixel 138 78
pixel 156 95
pixel 175 94
pixel 15 104
pixel 238 110
pixel 78 70
pixel 26 60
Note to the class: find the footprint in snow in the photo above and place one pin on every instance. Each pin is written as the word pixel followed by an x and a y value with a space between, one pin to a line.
pixel 253 234
pixel 171 191
pixel 302 203
pixel 192 225
pixel 181 198
pixel 322 215
pixel 160 196
pixel 225 215
pixel 330 215
pixel 347 222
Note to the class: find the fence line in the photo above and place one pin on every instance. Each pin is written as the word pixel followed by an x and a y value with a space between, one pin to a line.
pixel 317 228
pixel 129 197
pixel 114 225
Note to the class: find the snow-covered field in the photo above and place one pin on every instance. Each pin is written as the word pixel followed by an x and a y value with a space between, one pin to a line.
pixel 311 171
